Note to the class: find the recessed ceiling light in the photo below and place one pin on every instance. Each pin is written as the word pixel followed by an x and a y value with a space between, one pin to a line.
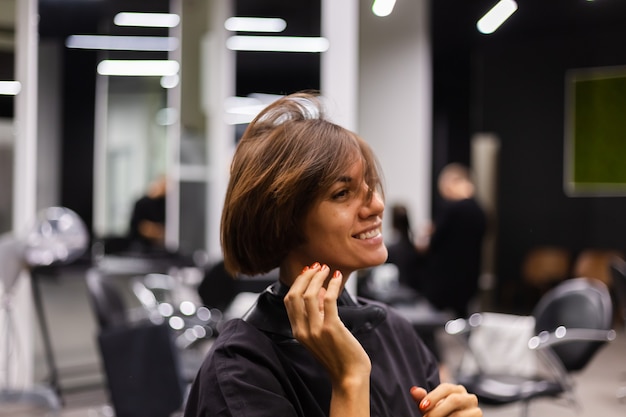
pixel 164 20
pixel 10 88
pixel 255 24
pixel 122 43
pixel 140 68
pixel 277 43
pixel 496 16
pixel 383 8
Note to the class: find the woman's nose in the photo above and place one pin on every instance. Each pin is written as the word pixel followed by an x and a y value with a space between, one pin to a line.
pixel 373 204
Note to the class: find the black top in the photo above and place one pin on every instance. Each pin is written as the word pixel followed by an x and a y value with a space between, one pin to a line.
pixel 146 208
pixel 256 367
pixel 454 258
pixel 409 261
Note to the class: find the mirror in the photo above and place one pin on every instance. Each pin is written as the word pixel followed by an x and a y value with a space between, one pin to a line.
pixel 7 73
pixel 135 145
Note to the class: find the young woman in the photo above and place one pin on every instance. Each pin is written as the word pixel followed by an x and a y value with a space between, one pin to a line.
pixel 305 195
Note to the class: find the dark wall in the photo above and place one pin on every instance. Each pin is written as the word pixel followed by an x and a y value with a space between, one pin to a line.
pixel 7 73
pixel 517 90
pixel 78 122
pixel 523 102
pixel 280 72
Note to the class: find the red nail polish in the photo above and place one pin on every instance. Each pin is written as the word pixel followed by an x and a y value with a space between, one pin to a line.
pixel 315 265
pixel 424 404
pixel 306 268
pixel 336 274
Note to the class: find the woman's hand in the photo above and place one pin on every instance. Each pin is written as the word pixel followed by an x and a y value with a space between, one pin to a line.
pixel 446 400
pixel 312 310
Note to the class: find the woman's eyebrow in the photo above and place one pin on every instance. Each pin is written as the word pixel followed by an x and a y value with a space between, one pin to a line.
pixel 344 178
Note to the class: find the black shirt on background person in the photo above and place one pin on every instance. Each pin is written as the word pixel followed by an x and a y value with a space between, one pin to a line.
pixel 147 223
pixel 455 248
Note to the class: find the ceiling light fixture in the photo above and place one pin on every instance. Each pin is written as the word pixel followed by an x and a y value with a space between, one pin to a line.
pixel 277 43
pixel 10 88
pixel 255 24
pixel 161 20
pixel 383 8
pixel 496 16
pixel 122 43
pixel 138 68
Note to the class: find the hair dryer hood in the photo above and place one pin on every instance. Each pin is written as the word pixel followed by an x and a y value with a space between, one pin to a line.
pixel 59 235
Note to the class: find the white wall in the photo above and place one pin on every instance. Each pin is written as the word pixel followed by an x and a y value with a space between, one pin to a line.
pixel 49 128
pixel 218 83
pixel 24 181
pixel 395 101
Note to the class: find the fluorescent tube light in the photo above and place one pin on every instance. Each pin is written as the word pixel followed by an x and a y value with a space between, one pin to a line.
pixel 138 68
pixel 255 24
pixel 277 43
pixel 496 16
pixel 10 88
pixel 383 8
pixel 163 20
pixel 122 43
pixel 170 81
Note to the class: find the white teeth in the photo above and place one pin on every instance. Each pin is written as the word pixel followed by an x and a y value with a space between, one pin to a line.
pixel 369 235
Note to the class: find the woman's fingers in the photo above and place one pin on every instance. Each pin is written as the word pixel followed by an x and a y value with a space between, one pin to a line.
pixel 312 308
pixel 307 301
pixel 447 399
pixel 332 294
pixel 311 298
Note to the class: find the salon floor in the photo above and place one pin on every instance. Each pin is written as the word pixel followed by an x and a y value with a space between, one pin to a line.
pixel 84 393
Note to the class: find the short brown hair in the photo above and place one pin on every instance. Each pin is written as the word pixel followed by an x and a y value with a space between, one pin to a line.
pixel 288 155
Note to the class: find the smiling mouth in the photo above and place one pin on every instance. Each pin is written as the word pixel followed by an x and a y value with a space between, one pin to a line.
pixel 368 235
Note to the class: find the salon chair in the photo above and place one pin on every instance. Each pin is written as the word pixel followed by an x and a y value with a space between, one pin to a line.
pixel 618 273
pixel 572 322
pixel 57 236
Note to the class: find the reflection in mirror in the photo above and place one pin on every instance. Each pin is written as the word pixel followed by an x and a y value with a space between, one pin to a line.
pixel 135 129
pixel 135 145
pixel 7 64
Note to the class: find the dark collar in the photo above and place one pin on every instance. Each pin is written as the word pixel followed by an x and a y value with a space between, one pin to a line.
pixel 269 314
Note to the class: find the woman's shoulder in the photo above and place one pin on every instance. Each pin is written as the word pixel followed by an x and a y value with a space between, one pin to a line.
pixel 238 333
pixel 239 345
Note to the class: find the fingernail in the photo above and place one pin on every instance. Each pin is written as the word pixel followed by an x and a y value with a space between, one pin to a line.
pixel 315 265
pixel 336 274
pixel 325 267
pixel 424 404
pixel 306 268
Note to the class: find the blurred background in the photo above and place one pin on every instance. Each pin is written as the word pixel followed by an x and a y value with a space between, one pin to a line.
pixel 423 85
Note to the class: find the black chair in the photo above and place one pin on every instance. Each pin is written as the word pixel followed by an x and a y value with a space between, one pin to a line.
pixel 141 362
pixel 618 274
pixel 571 323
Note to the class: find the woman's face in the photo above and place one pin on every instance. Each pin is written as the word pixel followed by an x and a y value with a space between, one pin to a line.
pixel 344 227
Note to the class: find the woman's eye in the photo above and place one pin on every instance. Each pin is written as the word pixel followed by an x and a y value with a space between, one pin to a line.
pixel 341 194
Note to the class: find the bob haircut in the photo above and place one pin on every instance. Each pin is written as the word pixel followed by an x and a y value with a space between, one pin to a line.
pixel 289 155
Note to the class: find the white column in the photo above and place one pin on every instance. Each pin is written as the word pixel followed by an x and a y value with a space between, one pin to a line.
pixel 395 101
pixel 218 83
pixel 25 177
pixel 172 210
pixel 340 66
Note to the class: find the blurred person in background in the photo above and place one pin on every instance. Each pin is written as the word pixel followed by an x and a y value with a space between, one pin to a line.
pixel 147 222
pixel 454 250
pixel 402 248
